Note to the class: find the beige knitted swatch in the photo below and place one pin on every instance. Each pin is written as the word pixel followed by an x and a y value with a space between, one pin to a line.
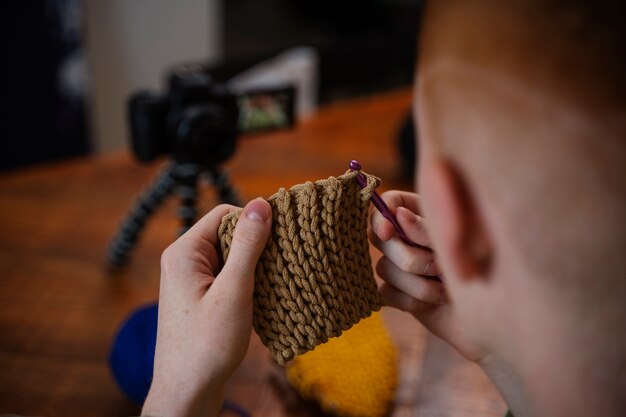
pixel 314 278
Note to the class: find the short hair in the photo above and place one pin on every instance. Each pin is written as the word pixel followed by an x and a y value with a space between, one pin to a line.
pixel 559 178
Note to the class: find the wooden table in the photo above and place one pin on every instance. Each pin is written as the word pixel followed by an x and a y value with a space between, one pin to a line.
pixel 60 307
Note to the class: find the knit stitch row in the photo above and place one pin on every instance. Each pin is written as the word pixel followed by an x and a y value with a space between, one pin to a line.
pixel 314 279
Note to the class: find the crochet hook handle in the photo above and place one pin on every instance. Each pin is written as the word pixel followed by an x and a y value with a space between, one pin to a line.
pixel 380 204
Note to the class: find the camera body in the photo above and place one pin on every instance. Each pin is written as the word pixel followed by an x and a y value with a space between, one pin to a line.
pixel 198 119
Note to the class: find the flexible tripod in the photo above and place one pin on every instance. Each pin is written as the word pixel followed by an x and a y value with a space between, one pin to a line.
pixel 181 178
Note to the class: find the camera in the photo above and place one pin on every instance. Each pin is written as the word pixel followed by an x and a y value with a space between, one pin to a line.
pixel 199 119
pixel 196 122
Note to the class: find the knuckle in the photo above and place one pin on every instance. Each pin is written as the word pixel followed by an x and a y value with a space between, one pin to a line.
pixel 411 263
pixel 416 262
pixel 224 207
pixel 421 291
pixel 388 196
pixel 167 256
pixel 248 238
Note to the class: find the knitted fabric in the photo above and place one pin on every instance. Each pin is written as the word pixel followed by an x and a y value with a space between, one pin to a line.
pixel 352 375
pixel 314 279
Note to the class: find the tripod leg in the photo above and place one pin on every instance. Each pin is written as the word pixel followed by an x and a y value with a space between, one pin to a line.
pixel 187 177
pixel 124 241
pixel 220 180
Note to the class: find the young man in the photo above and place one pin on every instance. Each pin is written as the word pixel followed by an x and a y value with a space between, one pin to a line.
pixel 522 125
pixel 520 108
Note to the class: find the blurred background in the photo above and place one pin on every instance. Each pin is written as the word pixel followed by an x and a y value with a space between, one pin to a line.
pixel 77 312
pixel 70 65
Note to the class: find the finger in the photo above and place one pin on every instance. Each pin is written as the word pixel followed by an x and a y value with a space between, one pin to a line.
pixel 205 229
pixel 195 252
pixel 414 226
pixel 381 227
pixel 434 317
pixel 393 297
pixel 395 199
pixel 420 288
pixel 410 259
pixel 249 239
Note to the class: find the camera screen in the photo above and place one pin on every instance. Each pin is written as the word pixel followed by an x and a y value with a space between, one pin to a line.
pixel 266 110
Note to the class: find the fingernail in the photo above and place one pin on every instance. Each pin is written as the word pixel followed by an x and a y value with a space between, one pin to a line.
pixel 256 210
pixel 431 268
pixel 407 214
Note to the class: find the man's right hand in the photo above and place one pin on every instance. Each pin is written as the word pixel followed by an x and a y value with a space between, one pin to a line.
pixel 409 272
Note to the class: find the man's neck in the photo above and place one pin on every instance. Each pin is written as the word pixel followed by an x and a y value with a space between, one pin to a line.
pixel 563 367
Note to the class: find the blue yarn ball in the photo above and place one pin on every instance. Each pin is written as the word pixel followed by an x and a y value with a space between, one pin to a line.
pixel 132 354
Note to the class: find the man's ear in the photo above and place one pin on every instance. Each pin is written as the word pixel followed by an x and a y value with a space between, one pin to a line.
pixel 463 241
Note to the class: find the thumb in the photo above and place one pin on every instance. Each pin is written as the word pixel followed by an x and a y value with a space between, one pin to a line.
pixel 249 239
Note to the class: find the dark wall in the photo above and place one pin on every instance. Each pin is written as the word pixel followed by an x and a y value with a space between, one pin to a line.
pixel 364 45
pixel 42 115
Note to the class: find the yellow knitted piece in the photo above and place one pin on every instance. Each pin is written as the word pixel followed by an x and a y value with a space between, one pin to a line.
pixel 354 375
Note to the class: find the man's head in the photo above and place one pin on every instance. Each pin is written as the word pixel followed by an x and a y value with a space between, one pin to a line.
pixel 521 112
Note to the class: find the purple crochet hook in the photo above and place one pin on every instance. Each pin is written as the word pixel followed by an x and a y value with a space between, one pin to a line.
pixel 379 203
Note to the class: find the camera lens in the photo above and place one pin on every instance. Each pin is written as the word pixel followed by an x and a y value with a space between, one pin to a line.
pixel 203 135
